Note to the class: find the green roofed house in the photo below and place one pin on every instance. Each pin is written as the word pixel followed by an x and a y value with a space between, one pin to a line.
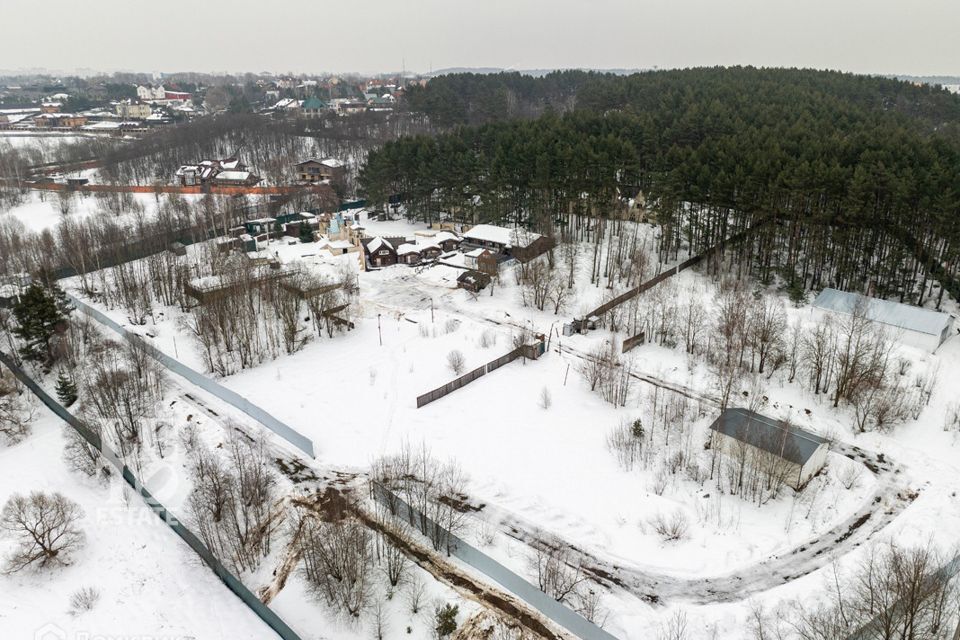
pixel 313 107
pixel 773 445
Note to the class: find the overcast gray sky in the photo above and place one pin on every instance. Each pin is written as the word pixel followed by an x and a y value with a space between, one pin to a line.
pixel 919 37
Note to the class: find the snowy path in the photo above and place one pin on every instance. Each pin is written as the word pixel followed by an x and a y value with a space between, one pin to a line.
pixel 891 495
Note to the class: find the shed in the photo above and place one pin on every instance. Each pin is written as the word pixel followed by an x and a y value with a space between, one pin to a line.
pixel 473 280
pixel 778 443
pixel 914 326
pixel 408 254
pixel 472 258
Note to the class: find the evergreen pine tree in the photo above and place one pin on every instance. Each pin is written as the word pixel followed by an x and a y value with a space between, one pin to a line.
pixel 446 619
pixel 38 313
pixel 66 389
pixel 306 232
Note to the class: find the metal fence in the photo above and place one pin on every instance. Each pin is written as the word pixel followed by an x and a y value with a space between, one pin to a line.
pixel 286 432
pixel 233 583
pixel 469 377
pixel 634 341
pixel 519 586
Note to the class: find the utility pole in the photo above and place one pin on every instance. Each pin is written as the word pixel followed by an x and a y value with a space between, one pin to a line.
pixel 379 332
pixel 431 310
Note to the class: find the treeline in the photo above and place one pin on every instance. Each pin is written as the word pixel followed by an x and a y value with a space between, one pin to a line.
pixel 468 98
pixel 856 176
pixel 473 98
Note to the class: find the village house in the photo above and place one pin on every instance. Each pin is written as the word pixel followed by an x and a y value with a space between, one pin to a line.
pixel 233 178
pixel 313 107
pixel 227 172
pixel 160 95
pixel 429 250
pixel 59 120
pixel 133 110
pixel 408 254
pixel 446 240
pixel 313 170
pixel 775 446
pixel 912 326
pixel 50 107
pixel 380 252
pixel 517 243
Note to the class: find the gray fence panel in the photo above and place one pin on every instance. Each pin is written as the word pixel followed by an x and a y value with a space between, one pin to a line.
pixel 295 438
pixel 465 379
pixel 519 586
pixel 264 612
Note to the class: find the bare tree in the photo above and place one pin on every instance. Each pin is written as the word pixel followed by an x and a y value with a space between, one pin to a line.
pixel 676 627
pixel 895 593
pixel 558 569
pixel 337 561
pixel 44 527
pixel 596 367
pixel 456 361
pixel 414 592
pixel 545 400
pixel 16 409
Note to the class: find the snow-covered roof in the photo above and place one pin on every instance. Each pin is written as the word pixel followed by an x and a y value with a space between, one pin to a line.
pixel 378 242
pixel 775 436
pixel 443 236
pixel 105 125
pixel 333 163
pixel 234 175
pixel 902 316
pixel 423 246
pixel 230 164
pixel 502 235
pixel 406 248
pixel 476 253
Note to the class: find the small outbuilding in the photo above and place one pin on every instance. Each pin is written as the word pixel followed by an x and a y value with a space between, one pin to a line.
pixel 408 254
pixel 913 326
pixel 778 446
pixel 473 280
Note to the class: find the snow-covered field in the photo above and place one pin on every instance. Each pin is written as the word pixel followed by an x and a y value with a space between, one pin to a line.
pixel 150 583
pixel 548 471
pixel 42 209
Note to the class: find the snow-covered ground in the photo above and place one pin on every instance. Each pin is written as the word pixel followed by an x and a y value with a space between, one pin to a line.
pixel 41 209
pixel 550 469
pixel 151 584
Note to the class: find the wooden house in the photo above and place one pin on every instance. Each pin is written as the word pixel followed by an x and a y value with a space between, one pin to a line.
pixel 380 252
pixel 408 254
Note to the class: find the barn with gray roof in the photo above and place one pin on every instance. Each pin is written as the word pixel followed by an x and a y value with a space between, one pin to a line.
pixel 789 450
pixel 913 326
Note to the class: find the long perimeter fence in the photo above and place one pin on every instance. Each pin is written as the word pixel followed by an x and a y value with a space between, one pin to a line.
pixel 558 612
pixel 283 430
pixel 233 583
